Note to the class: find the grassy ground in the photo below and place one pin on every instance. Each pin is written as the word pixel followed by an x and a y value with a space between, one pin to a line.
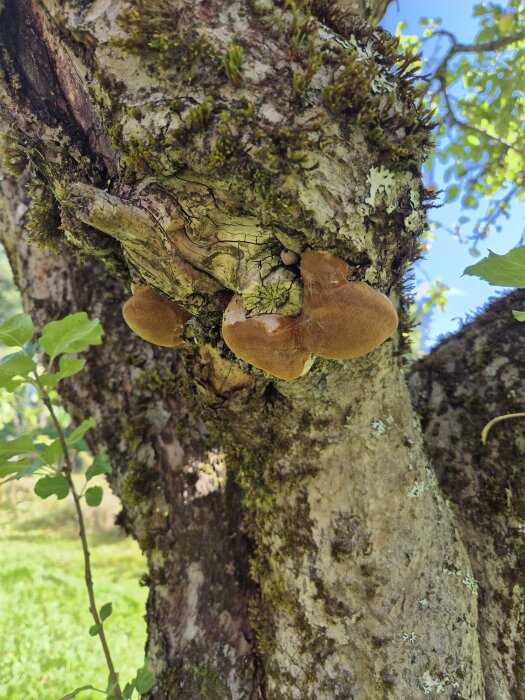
pixel 45 648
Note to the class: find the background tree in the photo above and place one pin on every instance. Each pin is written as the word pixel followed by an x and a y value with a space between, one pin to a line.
pixel 298 542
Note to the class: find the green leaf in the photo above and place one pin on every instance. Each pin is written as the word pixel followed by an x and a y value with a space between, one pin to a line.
pixel 100 465
pixel 73 333
pixel 519 315
pixel 452 193
pixel 144 680
pixel 128 691
pixel 68 366
pixel 79 432
pixel 94 630
pixel 13 467
pixel 469 202
pixel 77 691
pixel 18 446
pixel 14 369
pixel 53 453
pixel 52 486
pixel 17 330
pixel 32 467
pixel 94 496
pixel 501 270
pixel 105 611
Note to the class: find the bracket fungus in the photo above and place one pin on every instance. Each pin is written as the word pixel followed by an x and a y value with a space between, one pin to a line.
pixel 342 319
pixel 271 342
pixel 155 318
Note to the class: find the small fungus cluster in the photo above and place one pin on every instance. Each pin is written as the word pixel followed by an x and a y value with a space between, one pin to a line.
pixel 341 319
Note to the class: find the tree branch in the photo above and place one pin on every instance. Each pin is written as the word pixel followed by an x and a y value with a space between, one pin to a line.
pixel 441 75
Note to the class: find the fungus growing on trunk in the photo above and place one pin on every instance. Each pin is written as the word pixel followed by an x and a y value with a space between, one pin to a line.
pixel 271 342
pixel 341 319
pixel 155 318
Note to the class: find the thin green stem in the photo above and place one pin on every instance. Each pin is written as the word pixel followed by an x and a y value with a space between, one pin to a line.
pixel 67 470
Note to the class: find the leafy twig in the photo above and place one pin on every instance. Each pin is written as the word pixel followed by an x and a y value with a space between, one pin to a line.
pixel 67 470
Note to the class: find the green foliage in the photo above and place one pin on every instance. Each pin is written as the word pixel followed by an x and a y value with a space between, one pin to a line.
pixel 100 465
pixel 74 333
pixel 17 331
pixel 30 454
pixel 14 369
pixel 481 111
pixel 94 496
pixel 501 270
pixel 52 486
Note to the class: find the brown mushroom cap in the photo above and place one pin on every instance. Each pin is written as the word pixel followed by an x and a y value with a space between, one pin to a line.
pixel 341 319
pixel 155 318
pixel 271 342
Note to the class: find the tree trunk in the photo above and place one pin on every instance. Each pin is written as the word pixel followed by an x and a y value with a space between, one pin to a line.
pixel 298 543
pixel 471 378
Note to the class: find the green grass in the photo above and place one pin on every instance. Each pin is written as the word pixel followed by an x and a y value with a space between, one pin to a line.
pixel 45 648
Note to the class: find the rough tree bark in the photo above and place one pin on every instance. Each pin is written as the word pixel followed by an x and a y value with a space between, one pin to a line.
pixel 298 543
pixel 469 379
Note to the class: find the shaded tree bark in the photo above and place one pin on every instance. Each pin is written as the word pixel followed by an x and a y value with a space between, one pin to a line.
pixel 470 378
pixel 298 543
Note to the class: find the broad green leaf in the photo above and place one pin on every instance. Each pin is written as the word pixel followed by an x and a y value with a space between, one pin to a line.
pixel 105 611
pixel 77 691
pixel 519 315
pixel 18 446
pixel 73 333
pixel 94 630
pixel 94 496
pixel 79 432
pixel 100 465
pixel 52 486
pixel 17 330
pixel 144 680
pixel 53 453
pixel 12 368
pixel 68 366
pixel 501 270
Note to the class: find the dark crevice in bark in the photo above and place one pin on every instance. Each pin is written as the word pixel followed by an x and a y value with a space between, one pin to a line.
pixel 33 74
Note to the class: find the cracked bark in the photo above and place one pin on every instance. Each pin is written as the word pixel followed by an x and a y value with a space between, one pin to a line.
pixel 298 544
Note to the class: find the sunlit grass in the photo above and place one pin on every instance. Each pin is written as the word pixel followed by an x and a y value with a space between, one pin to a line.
pixel 45 648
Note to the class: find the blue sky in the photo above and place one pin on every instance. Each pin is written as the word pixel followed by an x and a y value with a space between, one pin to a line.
pixel 447 257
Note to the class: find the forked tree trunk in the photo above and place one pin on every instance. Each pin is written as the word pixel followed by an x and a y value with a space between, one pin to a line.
pixel 298 543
